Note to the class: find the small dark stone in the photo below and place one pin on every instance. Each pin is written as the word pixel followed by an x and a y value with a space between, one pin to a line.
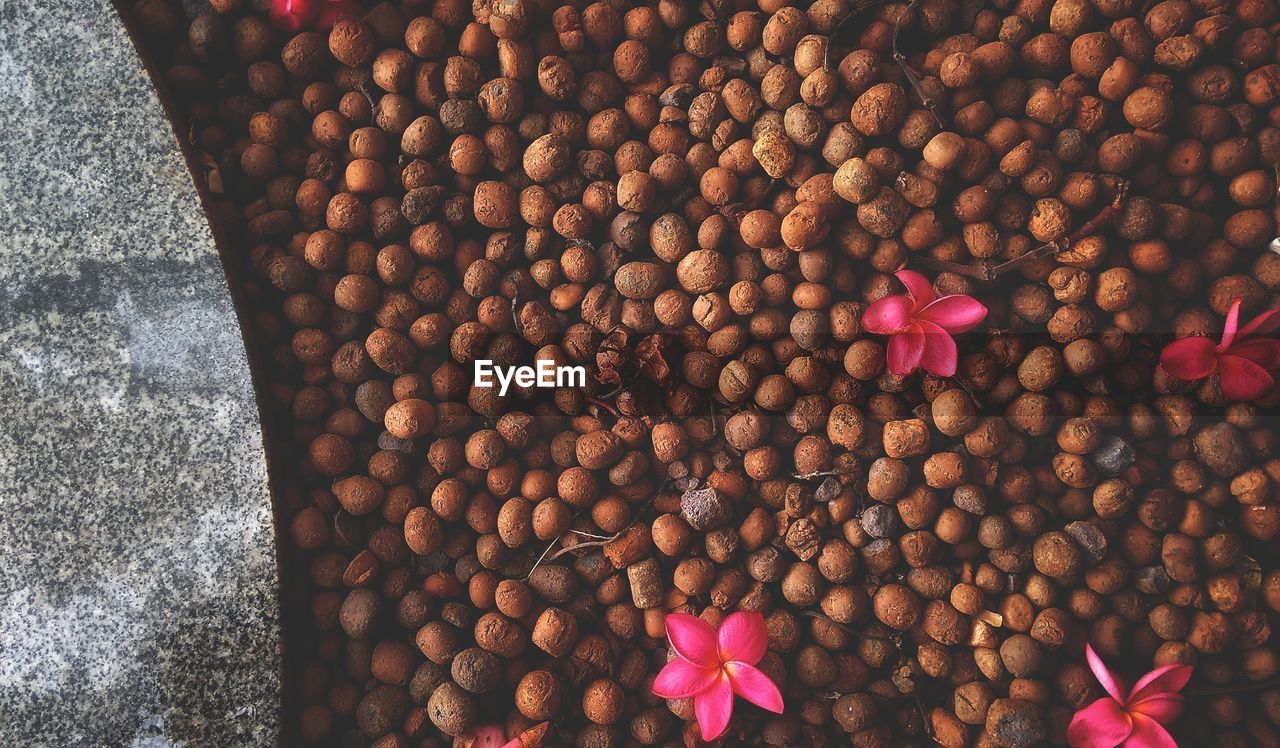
pixel 1152 580
pixel 457 614
pixel 462 116
pixel 1090 538
pixel 704 509
pixel 1015 723
pixel 827 490
pixel 1070 145
pixel 466 567
pixel 678 95
pixel 420 204
pixel 432 563
pixel 879 520
pixel 1113 457
pixel 394 443
pixel 320 165
pixel 593 567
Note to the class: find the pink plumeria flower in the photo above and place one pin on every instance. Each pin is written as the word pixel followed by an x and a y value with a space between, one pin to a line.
pixel 1135 720
pixel 710 667
pixel 921 325
pixel 1244 360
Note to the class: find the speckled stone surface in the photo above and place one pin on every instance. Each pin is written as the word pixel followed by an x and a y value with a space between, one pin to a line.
pixel 137 561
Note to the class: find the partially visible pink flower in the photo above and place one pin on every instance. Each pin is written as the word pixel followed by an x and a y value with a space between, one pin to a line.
pixel 1245 361
pixel 493 736
pixel 487 736
pixel 1134 720
pixel 921 325
pixel 710 667
pixel 295 15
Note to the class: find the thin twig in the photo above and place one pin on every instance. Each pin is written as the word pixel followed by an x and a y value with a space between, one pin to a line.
pixel 603 539
pixel 365 89
pixel 985 271
pixel 1275 243
pixel 818 474
pixel 591 535
pixel 578 546
pixel 912 76
pixel 601 404
pixel 924 716
pixel 543 555
pixel 515 313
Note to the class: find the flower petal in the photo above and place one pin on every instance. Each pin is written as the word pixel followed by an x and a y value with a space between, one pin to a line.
pixel 743 637
pixel 489 736
pixel 1264 352
pixel 1230 327
pixel 1164 679
pixel 905 351
pixel 887 316
pixel 713 708
pixel 1241 379
pixel 1104 676
pixel 1147 733
pixel 531 738
pixel 1102 724
pixel 754 686
pixel 918 286
pixel 681 679
pixel 1263 324
pixel 954 313
pixel 292 15
pixel 1190 358
pixel 693 639
pixel 940 356
pixel 1162 707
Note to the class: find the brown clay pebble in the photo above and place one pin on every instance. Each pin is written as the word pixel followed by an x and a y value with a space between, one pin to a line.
pixel 451 709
